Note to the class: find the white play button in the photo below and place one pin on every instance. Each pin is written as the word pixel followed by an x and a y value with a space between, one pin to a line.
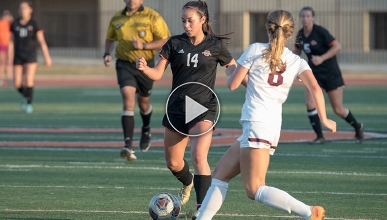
pixel 193 109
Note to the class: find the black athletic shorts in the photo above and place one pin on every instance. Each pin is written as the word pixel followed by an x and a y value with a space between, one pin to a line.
pixel 129 75
pixel 331 82
pixel 22 58
pixel 179 125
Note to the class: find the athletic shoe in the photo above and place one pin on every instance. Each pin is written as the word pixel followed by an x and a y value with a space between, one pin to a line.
pixel 128 154
pixel 318 213
pixel 185 193
pixel 195 215
pixel 23 104
pixel 359 134
pixel 28 108
pixel 318 140
pixel 145 139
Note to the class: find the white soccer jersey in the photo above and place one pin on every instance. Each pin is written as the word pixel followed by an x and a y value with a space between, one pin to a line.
pixel 266 91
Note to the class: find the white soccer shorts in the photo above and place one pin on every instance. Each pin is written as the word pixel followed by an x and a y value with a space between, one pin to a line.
pixel 259 135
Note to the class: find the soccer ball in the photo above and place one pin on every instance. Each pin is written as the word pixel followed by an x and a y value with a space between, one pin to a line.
pixel 164 206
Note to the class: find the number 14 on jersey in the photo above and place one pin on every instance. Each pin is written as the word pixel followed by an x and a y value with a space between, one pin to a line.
pixel 193 59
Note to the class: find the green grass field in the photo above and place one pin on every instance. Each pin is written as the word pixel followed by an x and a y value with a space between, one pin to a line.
pixel 349 180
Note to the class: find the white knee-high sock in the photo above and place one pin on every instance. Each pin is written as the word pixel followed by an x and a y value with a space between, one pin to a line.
pixel 213 200
pixel 281 200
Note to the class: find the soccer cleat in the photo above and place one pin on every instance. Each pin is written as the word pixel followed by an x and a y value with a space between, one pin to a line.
pixel 185 193
pixel 195 215
pixel 318 140
pixel 128 154
pixel 318 213
pixel 359 134
pixel 145 139
pixel 28 108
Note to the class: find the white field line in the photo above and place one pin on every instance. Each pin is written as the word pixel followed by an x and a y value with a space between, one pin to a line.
pixel 15 170
pixel 330 173
pixel 37 166
pixel 13 166
pixel 299 154
pixel 142 212
pixel 349 151
pixel 351 142
pixel 177 189
pixel 328 155
pixel 98 163
pixel 83 167
pixel 375 148
pixel 61 149
pixel 373 134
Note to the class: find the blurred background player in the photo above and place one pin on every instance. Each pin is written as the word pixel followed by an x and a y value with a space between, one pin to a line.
pixel 140 31
pixel 6 53
pixel 321 49
pixel 271 69
pixel 26 35
pixel 194 57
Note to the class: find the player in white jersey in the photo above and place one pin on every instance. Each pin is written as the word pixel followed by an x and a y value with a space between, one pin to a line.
pixel 267 71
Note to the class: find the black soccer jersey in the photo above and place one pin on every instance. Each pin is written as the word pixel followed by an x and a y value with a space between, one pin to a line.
pixel 318 43
pixel 25 39
pixel 190 63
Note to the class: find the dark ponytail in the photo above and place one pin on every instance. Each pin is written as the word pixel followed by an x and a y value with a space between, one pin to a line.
pixel 202 9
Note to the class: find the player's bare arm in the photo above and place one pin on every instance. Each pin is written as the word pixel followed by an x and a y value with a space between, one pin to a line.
pixel 11 46
pixel 230 69
pixel 44 47
pixel 238 76
pixel 310 82
pixel 108 48
pixel 11 51
pixel 333 50
pixel 154 73
pixel 154 45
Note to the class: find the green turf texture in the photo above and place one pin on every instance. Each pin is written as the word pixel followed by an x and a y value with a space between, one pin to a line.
pixel 348 179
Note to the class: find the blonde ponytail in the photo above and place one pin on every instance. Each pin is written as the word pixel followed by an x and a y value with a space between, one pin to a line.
pixel 280 26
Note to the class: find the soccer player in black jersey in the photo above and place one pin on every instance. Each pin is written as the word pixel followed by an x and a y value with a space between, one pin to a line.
pixel 193 56
pixel 321 49
pixel 26 36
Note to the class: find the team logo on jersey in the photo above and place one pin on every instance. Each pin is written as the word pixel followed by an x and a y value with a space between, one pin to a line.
pixel 313 43
pixel 142 34
pixel 206 53
pixel 181 51
pixel 30 28
pixel 118 26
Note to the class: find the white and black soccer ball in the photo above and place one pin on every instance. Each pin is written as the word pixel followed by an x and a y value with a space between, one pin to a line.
pixel 164 206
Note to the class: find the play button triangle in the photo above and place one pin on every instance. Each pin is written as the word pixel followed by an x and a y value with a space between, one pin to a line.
pixel 192 109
